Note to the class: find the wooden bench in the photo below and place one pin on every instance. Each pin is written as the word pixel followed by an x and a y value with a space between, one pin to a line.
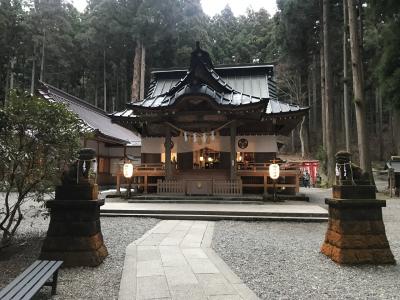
pixel 26 285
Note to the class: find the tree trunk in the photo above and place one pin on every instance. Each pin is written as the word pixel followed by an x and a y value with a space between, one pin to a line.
pixel 116 89
pixel 33 71
pixel 305 150
pixel 314 94
pixel 142 71
pixel 43 57
pixel 358 89
pixel 135 91
pixel 323 115
pixel 104 82
pixel 96 102
pixel 345 79
pixel 330 137
pixel 396 131
pixel 379 121
pixel 12 63
pixel 6 86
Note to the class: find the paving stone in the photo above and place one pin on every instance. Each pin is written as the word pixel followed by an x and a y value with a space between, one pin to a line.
pixel 174 238
pixel 154 239
pixel 165 227
pixel 145 253
pixel 225 297
pixel 187 291
pixel 172 256
pixel 201 265
pixel 149 268
pixel 215 284
pixel 194 253
pixel 184 226
pixel 152 287
pixel 177 276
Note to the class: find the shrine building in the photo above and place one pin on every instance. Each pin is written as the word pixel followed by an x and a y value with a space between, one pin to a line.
pixel 211 130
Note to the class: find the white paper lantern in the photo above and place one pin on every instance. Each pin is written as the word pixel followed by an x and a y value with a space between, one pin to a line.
pixel 128 170
pixel 274 171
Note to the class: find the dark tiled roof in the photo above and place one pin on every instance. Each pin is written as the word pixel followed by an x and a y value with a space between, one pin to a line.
pixel 94 117
pixel 254 80
pixel 167 99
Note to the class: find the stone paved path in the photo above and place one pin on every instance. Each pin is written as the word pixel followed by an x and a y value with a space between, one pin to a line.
pixel 174 261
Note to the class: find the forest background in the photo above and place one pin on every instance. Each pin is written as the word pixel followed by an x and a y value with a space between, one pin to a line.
pixel 92 55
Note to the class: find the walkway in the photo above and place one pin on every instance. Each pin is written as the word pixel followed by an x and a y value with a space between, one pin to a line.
pixel 174 261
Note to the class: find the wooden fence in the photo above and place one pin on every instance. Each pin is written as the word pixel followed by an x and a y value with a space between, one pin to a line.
pixel 218 188
pixel 227 187
pixel 170 187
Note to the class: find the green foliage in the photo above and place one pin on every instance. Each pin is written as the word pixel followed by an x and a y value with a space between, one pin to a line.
pixel 37 138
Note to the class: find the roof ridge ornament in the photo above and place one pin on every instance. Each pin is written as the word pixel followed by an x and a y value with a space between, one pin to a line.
pixel 200 56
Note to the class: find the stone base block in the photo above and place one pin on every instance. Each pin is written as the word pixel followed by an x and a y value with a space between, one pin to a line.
pixel 74 235
pixel 89 258
pixel 358 256
pixel 84 191
pixel 354 191
pixel 356 232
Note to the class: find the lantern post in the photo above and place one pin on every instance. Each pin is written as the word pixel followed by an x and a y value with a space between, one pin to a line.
pixel 128 172
pixel 274 174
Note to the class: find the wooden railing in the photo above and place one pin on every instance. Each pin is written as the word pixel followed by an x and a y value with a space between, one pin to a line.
pixel 257 167
pixel 170 187
pixel 150 167
pixel 227 187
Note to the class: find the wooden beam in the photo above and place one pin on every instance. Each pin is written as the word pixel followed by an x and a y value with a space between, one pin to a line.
pixel 233 150
pixel 167 144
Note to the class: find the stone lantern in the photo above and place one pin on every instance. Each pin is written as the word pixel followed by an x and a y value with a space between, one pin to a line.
pixel 356 232
pixel 74 235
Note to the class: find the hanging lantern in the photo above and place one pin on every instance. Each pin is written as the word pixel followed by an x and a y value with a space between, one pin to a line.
pixel 201 158
pixel 274 171
pixel 128 170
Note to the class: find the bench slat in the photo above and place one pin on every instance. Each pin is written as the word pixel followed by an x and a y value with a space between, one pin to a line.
pixel 31 280
pixel 20 278
pixel 36 282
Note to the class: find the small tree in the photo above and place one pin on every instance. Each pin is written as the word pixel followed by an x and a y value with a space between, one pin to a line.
pixel 37 139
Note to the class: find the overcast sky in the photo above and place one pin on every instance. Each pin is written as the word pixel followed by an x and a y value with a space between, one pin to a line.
pixel 212 7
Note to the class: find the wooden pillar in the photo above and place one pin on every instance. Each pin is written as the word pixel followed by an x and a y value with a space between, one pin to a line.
pixel 233 151
pixel 167 144
pixel 118 183
pixel 146 188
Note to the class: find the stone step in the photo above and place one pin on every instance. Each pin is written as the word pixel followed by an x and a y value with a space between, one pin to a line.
pixel 209 212
pixel 217 217
pixel 248 199
pixel 196 201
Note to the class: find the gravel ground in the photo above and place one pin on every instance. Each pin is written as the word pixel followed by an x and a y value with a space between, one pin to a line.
pixel 101 282
pixel 280 260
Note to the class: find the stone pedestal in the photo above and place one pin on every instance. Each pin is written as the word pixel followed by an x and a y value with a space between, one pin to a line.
pixel 356 232
pixel 74 233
